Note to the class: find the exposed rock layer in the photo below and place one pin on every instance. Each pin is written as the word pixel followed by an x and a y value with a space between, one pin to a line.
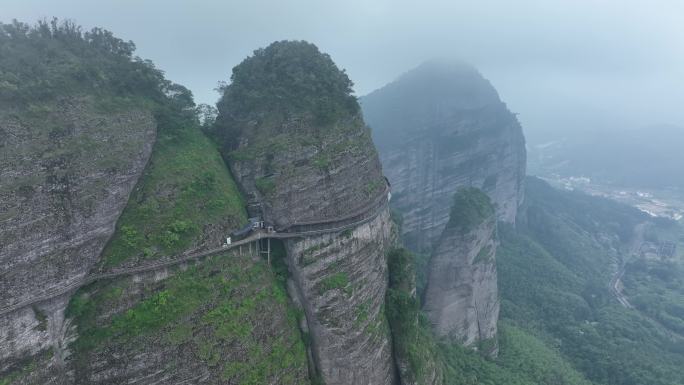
pixel 341 281
pixel 65 178
pixel 294 168
pixel 307 173
pixel 461 298
pixel 439 128
pixel 341 277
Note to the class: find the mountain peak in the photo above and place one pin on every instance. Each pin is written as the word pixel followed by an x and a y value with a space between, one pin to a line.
pixel 289 78
pixel 439 82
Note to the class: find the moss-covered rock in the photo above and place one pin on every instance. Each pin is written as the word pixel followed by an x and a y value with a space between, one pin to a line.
pixel 470 207
pixel 297 145
pixel 83 116
pixel 293 135
pixel 461 297
pixel 224 320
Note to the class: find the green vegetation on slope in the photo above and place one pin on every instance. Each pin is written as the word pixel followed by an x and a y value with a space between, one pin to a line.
pixel 657 289
pixel 413 344
pixel 554 282
pixel 335 281
pixel 471 207
pixel 523 358
pixel 186 197
pixel 559 322
pixel 522 352
pixel 655 284
pixel 227 313
pixel 185 193
pixel 288 96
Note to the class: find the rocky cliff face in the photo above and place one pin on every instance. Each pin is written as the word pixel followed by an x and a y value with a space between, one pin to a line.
pixel 461 298
pixel 79 120
pixel 305 173
pixel 294 137
pixel 438 128
pixel 340 280
pixel 441 128
pixel 66 175
pixel 224 318
pixel 302 154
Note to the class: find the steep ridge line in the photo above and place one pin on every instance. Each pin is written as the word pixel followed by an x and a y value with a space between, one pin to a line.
pixel 340 225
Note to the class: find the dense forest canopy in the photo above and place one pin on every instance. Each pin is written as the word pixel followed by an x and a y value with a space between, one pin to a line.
pixel 286 79
pixel 53 59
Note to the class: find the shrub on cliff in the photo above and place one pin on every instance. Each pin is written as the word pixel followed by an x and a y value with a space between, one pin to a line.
pixel 471 207
pixel 414 345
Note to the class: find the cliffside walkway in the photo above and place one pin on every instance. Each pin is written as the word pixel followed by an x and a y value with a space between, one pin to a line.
pixel 296 230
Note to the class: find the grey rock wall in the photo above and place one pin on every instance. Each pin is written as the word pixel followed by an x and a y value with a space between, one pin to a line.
pixel 299 172
pixel 425 176
pixel 439 128
pixel 341 280
pixel 461 298
pixel 65 176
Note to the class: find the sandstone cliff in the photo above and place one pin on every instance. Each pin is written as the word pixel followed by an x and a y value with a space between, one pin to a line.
pixel 461 298
pixel 438 128
pixel 441 128
pixel 73 147
pixel 222 319
pixel 74 154
pixel 299 150
pixel 66 177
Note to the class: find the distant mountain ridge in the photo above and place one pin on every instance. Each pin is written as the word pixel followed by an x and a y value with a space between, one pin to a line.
pixel 438 128
pixel 451 150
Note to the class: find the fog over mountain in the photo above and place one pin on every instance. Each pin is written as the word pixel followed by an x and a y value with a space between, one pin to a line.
pixel 562 65
pixel 650 157
pixel 306 192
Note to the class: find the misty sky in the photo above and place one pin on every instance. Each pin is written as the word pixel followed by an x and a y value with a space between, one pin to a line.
pixel 559 64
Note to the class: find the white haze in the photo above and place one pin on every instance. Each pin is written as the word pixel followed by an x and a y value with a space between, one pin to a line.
pixel 561 65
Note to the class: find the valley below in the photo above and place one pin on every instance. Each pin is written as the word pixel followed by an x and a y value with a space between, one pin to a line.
pixel 666 203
